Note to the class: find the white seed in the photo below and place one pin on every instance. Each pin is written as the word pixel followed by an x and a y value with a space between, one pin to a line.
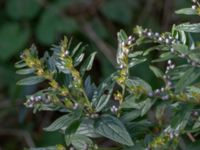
pixel 157 34
pixel 157 91
pixel 123 43
pixel 172 66
pixel 167 41
pixel 168 68
pixel 75 106
pixel 129 42
pixel 66 52
pixel 130 37
pixel 173 42
pixel 162 89
pixel 71 148
pixel 160 39
pixel 171 135
pixel 150 94
pixel 194 6
pixel 166 97
pixel 169 83
pixel 149 33
pixel 169 62
pixel 32 98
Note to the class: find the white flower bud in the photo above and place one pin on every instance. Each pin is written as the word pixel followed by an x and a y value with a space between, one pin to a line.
pixel 194 7
pixel 66 52
pixel 32 98
pixel 157 91
pixel 149 34
pixel 75 106
pixel 160 39
pixel 169 62
pixel 167 41
pixel 157 34
pixel 130 38
pixel 172 66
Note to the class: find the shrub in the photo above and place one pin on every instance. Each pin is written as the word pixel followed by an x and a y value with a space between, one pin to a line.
pixel 124 111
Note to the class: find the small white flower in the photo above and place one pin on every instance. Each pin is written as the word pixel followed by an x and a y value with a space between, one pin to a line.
pixel 172 66
pixel 194 7
pixel 75 106
pixel 167 41
pixel 130 38
pixel 149 34
pixel 157 34
pixel 169 62
pixel 160 39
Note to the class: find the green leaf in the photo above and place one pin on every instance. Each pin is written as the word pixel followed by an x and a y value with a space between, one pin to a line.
pixel 135 61
pixel 136 82
pixel 193 28
pixel 104 99
pixel 164 56
pixel 63 121
pixel 25 71
pixel 87 128
pixel 122 36
pixel 15 34
pixel 147 105
pixel 78 46
pixel 87 65
pixel 80 141
pixel 183 49
pixel 187 11
pixel 188 78
pixel 22 9
pixel 158 73
pixel 20 64
pixel 31 80
pixel 112 128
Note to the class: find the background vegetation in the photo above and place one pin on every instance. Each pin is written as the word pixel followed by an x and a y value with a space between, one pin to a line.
pixel 43 22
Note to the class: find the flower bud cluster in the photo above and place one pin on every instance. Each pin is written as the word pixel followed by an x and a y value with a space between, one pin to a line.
pixel 167 78
pixel 114 109
pixel 124 49
pixel 163 91
pixel 93 115
pixel 165 137
pixel 160 38
pixel 33 100
pixel 168 40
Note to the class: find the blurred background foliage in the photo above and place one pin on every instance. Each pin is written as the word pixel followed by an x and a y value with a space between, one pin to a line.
pixel 44 22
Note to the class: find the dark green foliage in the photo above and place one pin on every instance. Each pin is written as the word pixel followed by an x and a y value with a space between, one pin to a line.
pixel 124 109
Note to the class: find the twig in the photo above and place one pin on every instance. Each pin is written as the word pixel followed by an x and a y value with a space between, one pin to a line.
pixel 191 137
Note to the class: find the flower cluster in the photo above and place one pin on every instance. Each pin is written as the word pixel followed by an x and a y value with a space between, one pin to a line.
pixel 167 40
pixel 33 100
pixel 124 49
